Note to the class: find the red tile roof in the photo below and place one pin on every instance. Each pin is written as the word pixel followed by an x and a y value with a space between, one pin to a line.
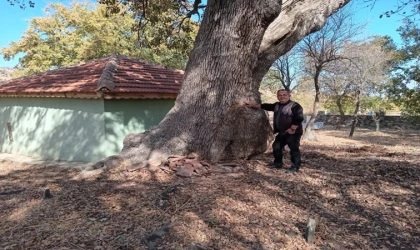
pixel 110 77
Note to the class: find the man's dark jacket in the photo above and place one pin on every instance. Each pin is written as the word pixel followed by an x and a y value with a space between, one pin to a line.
pixel 285 115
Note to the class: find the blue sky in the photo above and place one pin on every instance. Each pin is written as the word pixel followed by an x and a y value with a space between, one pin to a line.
pixel 14 21
pixel 375 25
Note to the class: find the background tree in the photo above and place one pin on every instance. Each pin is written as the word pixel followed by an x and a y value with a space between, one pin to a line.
pixel 367 72
pixel 285 71
pixel 338 79
pixel 80 32
pixel 323 48
pixel 377 106
pixel 5 73
pixel 337 87
pixel 405 89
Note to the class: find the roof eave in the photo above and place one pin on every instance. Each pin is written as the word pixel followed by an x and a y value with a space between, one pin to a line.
pixel 83 95
pixel 95 95
pixel 138 95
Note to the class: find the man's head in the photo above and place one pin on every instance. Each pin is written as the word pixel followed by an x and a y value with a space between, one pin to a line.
pixel 283 95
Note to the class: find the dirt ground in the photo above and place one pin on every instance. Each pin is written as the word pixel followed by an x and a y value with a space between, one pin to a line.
pixel 364 193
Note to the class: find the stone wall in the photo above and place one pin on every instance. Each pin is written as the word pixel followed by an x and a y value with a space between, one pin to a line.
pixel 366 121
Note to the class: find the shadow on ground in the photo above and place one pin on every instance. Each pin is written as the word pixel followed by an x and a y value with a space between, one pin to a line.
pixel 384 137
pixel 363 198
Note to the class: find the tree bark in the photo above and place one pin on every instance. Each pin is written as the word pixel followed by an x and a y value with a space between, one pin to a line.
pixel 209 117
pixel 233 51
pixel 309 132
pixel 341 110
pixel 377 116
pixel 355 115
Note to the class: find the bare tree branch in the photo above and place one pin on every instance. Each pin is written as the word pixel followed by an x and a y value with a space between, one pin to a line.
pixel 194 11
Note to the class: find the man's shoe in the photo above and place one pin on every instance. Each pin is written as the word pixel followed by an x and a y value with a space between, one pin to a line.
pixel 276 166
pixel 293 170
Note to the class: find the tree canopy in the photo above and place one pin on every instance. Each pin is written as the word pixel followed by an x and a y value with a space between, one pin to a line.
pixel 405 71
pixel 79 32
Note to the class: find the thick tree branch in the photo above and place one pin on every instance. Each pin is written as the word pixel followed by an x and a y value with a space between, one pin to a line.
pixel 297 20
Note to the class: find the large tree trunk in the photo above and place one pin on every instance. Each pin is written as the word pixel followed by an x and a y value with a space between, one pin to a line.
pixel 309 131
pixel 209 117
pixel 233 51
pixel 355 115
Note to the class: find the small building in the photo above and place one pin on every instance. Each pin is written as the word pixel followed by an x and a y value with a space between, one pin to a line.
pixel 83 112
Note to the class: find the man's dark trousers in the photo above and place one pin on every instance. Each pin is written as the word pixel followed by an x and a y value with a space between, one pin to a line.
pixel 291 140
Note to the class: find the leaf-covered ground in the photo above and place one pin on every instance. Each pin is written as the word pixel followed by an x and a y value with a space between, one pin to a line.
pixel 363 191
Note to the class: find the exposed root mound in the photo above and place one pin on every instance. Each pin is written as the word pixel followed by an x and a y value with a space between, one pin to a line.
pixel 240 134
pixel 142 150
pixel 187 166
pixel 183 166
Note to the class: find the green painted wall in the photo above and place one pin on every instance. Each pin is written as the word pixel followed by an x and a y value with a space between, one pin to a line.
pixel 54 128
pixel 75 129
pixel 123 117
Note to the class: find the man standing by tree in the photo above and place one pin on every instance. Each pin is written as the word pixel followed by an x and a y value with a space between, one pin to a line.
pixel 288 117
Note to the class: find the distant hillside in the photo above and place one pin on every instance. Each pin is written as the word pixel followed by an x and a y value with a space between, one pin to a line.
pixel 5 73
